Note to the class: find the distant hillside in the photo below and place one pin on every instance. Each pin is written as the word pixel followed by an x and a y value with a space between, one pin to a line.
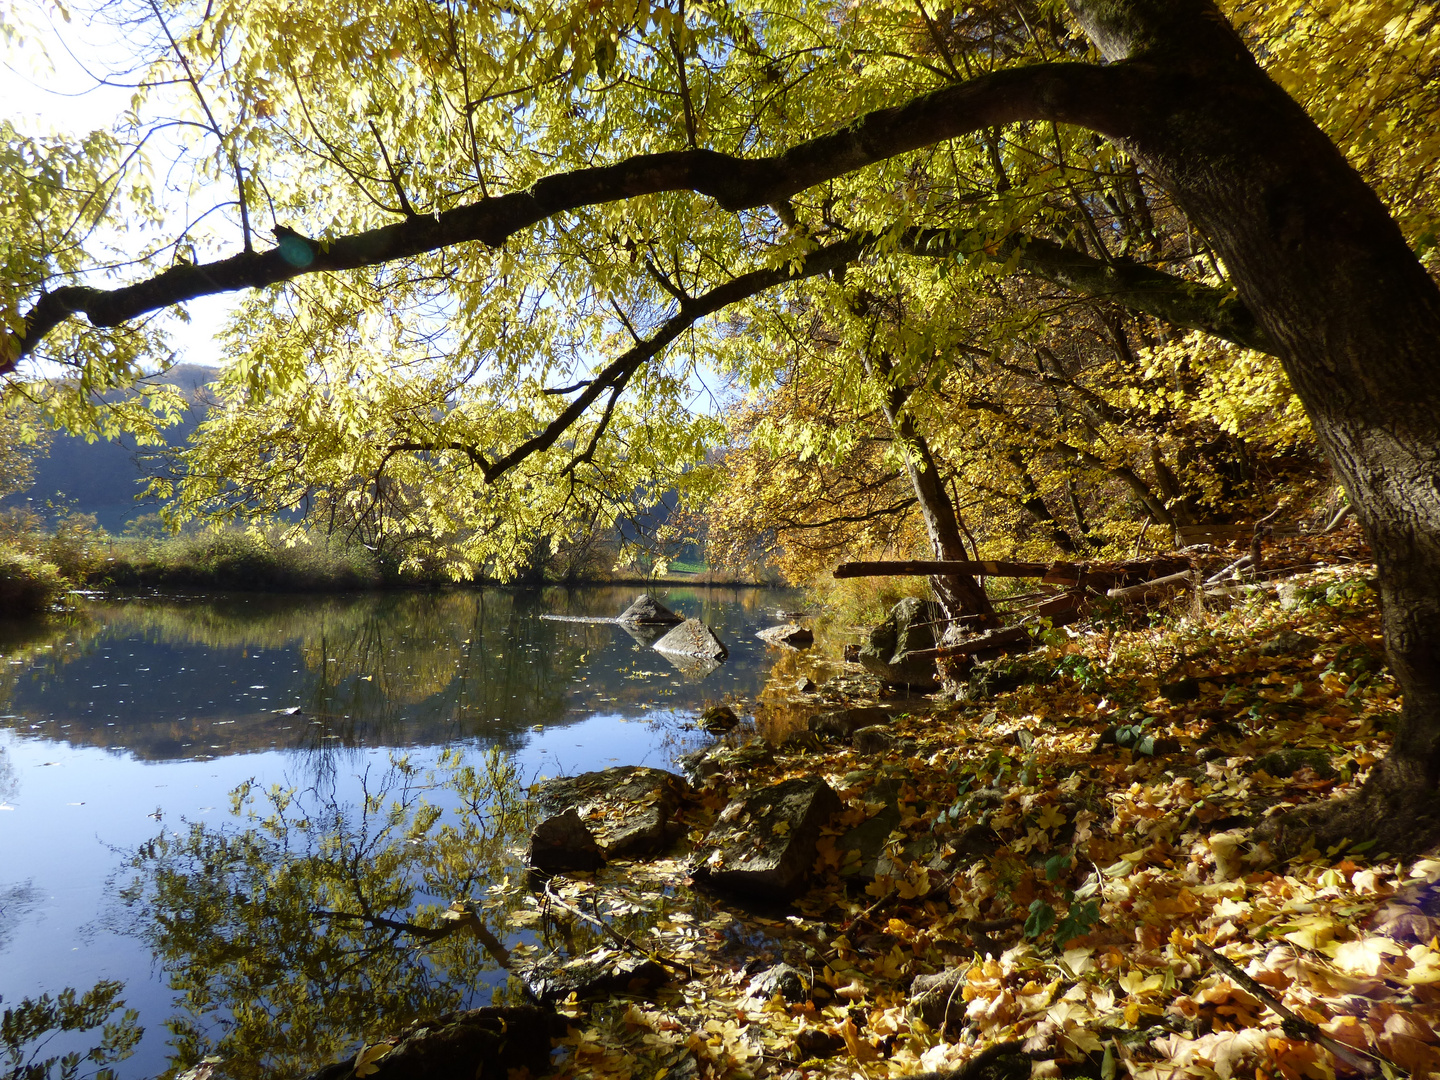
pixel 103 478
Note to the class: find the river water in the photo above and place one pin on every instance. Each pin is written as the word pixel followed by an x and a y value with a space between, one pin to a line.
pixel 137 717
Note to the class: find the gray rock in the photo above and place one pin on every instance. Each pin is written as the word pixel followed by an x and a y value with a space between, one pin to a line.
pixel 763 843
pixel 873 740
pixel 693 638
pixel 843 723
pixel 595 974
pixel 790 983
pixel 703 764
pixel 562 842
pixel 789 635
pixel 646 609
pixel 804 685
pixel 630 810
pixel 860 848
pixel 910 626
pixel 815 1044
pixel 1289 643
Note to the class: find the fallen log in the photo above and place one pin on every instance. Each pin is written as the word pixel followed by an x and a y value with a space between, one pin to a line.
pixel 1190 535
pixel 1147 589
pixel 1095 576
pixel 995 639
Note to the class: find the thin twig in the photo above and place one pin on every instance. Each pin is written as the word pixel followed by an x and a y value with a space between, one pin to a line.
pixel 619 938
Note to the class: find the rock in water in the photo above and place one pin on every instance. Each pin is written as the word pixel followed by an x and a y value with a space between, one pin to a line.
pixel 593 975
pixel 563 843
pixel 763 843
pixel 910 626
pixel 630 810
pixel 693 638
pixel 789 634
pixel 646 609
pixel 718 719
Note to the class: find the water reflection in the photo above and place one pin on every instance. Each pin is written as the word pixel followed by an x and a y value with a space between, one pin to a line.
pixel 175 677
pixel 315 919
pixel 154 707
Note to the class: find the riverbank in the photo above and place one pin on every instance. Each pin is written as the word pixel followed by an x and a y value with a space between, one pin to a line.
pixel 1064 871
pixel 36 569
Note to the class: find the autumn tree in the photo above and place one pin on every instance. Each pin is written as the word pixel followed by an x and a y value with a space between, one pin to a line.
pixel 537 212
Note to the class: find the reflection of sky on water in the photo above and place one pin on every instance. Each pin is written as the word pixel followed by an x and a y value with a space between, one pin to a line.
pixel 164 707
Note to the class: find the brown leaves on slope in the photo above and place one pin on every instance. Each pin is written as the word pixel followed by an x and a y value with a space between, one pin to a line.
pixel 1062 851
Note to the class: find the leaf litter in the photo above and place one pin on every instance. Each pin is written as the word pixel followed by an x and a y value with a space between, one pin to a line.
pixel 1065 856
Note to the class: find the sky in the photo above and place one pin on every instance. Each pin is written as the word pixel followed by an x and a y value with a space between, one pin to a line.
pixel 53 87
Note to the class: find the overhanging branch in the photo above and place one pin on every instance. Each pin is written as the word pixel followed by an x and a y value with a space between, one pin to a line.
pixel 1098 98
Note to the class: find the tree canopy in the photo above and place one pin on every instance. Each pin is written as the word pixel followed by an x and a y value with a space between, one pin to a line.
pixel 490 252
pixel 488 265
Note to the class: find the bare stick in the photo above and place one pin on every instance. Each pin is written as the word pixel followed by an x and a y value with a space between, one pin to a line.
pixel 1364 1064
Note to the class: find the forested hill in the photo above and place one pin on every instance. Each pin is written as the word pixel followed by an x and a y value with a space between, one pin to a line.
pixel 104 478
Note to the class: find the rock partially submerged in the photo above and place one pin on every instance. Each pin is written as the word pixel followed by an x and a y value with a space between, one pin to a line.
pixel 910 626
pixel 718 719
pixel 790 635
pixel 562 843
pixel 489 1043
pixel 647 610
pixel 630 810
pixel 763 843
pixel 693 638
pixel 841 724
pixel 595 974
pixel 782 980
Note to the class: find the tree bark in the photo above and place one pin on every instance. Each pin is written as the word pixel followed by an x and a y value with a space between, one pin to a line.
pixel 1354 319
pixel 960 595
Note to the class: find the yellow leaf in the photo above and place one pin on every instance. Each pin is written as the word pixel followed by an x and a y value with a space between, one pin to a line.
pixel 1051 817
pixel 365 1060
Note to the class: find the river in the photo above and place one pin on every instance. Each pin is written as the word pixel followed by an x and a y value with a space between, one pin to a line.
pixel 137 717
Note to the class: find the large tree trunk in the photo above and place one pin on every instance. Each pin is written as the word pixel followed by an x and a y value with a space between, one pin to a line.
pixel 1356 322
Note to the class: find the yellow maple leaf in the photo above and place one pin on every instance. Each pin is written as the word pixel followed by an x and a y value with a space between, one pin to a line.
pixel 1051 817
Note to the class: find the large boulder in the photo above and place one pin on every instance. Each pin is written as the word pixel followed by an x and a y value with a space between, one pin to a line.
pixel 693 638
pixel 646 609
pixel 912 625
pixel 561 843
pixel 631 809
pixel 763 843
pixel 790 635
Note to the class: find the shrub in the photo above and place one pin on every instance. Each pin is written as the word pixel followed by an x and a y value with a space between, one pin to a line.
pixel 28 583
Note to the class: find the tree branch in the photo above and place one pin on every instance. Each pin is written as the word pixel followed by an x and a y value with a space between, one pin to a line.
pixel 1133 285
pixel 1102 99
pixel 618 372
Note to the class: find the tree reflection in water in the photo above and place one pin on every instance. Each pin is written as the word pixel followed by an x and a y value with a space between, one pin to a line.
pixel 318 918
